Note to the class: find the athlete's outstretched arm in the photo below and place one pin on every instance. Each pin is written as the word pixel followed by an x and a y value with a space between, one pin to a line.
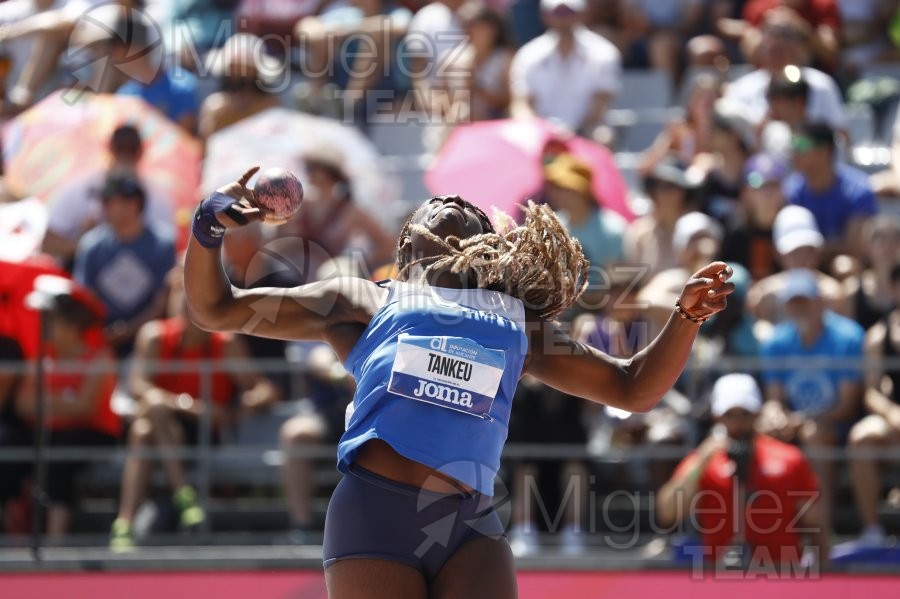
pixel 305 312
pixel 636 384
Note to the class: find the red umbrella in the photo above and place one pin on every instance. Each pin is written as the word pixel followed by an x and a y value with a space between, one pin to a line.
pixel 57 141
pixel 20 321
pixel 498 163
pixel 16 282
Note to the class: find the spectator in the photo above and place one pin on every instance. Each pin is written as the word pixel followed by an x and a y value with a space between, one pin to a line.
pixel 433 34
pixel 568 74
pixel 648 240
pixel 329 390
pixel 608 18
pixel 687 137
pixel 13 432
pixel 476 87
pixel 886 183
pixel 750 240
pixel 697 238
pixel 838 195
pixel 785 42
pixel 247 76
pixel 788 97
pixel 36 33
pixel 870 294
pixel 766 487
pixel 171 403
pixel 250 262
pixel 733 331
pixel 666 27
pixel 336 57
pixel 547 416
pixel 331 222
pixel 192 28
pixel 733 142
pixel 78 391
pixel 813 403
pixel 616 323
pixel 569 191
pixel 707 52
pixel 881 427
pixel 125 261
pixel 821 16
pixel 864 33
pixel 76 207
pixel 799 245
pixel 171 91
pixel 618 326
pixel 487 59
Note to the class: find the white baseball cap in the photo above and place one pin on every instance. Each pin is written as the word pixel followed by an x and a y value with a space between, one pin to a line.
pixel 735 391
pixel 691 225
pixel 795 227
pixel 574 5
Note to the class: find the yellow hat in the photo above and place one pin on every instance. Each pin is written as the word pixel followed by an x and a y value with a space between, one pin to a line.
pixel 569 172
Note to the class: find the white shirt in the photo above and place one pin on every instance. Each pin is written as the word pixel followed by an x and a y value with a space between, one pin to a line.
pixel 824 103
pixel 440 30
pixel 563 88
pixel 76 207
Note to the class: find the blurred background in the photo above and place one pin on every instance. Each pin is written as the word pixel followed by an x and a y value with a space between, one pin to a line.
pixel 665 134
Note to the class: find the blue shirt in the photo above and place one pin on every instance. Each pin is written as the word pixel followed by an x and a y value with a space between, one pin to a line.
pixel 814 389
pixel 126 276
pixel 849 197
pixel 436 370
pixel 174 93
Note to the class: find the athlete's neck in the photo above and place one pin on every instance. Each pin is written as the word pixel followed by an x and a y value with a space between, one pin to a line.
pixel 441 278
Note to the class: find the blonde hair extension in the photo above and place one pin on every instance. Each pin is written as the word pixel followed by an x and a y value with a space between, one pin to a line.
pixel 537 262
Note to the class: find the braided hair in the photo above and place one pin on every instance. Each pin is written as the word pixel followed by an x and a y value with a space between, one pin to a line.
pixel 536 262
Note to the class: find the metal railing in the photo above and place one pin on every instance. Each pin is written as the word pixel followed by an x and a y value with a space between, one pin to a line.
pixel 696 378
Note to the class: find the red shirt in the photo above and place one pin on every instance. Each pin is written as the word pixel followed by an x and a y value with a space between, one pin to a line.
pixel 814 12
pixel 781 486
pixel 71 381
pixel 190 382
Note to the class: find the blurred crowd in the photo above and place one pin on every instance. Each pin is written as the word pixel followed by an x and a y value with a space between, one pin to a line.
pixel 757 164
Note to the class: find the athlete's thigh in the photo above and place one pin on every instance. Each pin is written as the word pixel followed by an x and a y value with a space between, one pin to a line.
pixel 482 568
pixel 361 578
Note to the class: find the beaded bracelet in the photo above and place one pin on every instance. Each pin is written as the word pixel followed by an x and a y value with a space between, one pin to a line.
pixel 679 309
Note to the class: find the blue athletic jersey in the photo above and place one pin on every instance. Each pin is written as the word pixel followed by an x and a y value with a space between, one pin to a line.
pixel 436 370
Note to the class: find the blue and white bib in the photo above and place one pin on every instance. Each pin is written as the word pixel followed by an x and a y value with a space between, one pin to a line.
pixel 436 370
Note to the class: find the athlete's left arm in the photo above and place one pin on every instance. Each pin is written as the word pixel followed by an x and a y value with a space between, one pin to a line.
pixel 638 383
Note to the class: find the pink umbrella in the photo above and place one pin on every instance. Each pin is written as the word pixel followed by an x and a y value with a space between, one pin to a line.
pixel 498 163
pixel 57 141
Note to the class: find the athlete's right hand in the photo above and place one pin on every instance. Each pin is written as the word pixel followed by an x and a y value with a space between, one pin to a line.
pixel 244 209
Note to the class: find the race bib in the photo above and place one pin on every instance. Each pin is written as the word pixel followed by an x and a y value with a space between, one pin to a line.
pixel 450 372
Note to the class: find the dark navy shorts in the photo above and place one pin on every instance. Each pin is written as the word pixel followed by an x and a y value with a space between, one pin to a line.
pixel 370 516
